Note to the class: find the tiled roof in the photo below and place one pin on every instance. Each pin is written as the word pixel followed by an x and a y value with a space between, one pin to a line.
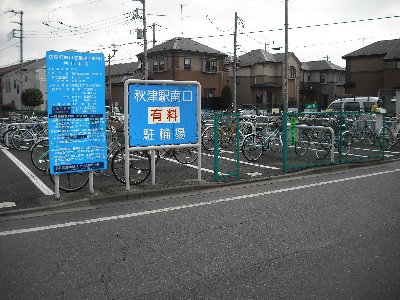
pixel 390 49
pixel 320 65
pixel 123 69
pixel 261 56
pixel 256 57
pixel 28 65
pixel 183 44
pixel 394 52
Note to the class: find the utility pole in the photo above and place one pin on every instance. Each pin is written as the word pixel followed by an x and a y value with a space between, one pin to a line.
pixel 286 99
pixel 154 34
pixel 234 63
pixel 114 50
pixel 21 38
pixel 146 70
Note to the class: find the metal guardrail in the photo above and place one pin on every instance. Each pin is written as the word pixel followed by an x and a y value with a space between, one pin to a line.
pixel 325 128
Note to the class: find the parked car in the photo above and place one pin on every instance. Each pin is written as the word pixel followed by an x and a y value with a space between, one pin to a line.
pixel 363 104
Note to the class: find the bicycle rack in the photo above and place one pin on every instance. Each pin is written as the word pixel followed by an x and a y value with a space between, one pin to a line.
pixel 330 129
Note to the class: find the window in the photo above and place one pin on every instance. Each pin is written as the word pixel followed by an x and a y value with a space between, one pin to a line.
pixel 351 106
pixel 368 106
pixel 335 106
pixel 26 78
pixel 159 64
pixel 210 93
pixel 292 72
pixel 8 85
pixel 322 78
pixel 210 65
pixel 15 83
pixel 187 63
pixel 155 65
pixel 398 64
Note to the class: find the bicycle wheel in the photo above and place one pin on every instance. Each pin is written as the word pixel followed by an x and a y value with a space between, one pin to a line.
pixel 186 155
pixel 6 138
pixel 323 145
pixel 252 147
pixel 40 155
pixel 139 166
pixel 347 141
pixel 71 182
pixel 232 141
pixel 369 135
pixel 396 139
pixel 276 143
pixel 385 140
pixel 302 143
pixel 22 139
pixel 207 138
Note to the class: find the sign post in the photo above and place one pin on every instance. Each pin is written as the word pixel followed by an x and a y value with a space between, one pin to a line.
pixel 161 114
pixel 76 113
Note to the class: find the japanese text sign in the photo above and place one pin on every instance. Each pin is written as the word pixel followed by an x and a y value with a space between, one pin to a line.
pixel 76 111
pixel 163 114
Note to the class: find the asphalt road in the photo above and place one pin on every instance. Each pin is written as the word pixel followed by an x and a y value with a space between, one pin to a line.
pixel 330 235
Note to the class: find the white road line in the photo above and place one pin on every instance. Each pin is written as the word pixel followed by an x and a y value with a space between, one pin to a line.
pixel 200 204
pixel 41 186
pixel 187 165
pixel 243 162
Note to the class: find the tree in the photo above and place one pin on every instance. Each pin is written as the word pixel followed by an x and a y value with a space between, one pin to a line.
pixel 226 95
pixel 32 98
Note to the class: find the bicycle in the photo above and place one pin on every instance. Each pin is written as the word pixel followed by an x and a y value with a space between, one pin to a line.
pixel 139 166
pixel 40 154
pixel 389 135
pixel 255 144
pixel 227 135
pixel 321 140
pixel 182 155
pixel 361 132
pixel 68 182
pixel 23 138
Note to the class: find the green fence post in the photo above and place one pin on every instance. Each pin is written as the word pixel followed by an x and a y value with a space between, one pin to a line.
pixel 237 146
pixel 285 144
pixel 216 139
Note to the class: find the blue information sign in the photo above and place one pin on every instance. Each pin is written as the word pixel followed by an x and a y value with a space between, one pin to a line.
pixel 76 111
pixel 162 114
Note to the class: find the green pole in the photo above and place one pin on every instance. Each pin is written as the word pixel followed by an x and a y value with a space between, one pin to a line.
pixel 237 146
pixel 285 145
pixel 216 138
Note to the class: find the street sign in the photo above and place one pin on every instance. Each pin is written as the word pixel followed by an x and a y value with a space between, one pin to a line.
pixel 76 111
pixel 163 113
pixel 311 107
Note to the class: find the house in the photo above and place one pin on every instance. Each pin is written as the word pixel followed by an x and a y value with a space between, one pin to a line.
pixel 260 79
pixel 32 74
pixel 3 71
pixel 183 59
pixel 374 70
pixel 119 74
pixel 321 82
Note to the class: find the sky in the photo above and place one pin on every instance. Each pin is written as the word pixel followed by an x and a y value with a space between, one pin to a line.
pixel 321 29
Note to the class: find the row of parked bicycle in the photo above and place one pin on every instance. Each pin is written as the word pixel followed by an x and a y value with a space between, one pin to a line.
pixel 252 135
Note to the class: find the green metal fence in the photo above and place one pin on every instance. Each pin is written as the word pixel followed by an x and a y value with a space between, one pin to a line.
pixel 317 139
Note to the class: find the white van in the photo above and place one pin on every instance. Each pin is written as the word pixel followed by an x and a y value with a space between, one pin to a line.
pixel 363 104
